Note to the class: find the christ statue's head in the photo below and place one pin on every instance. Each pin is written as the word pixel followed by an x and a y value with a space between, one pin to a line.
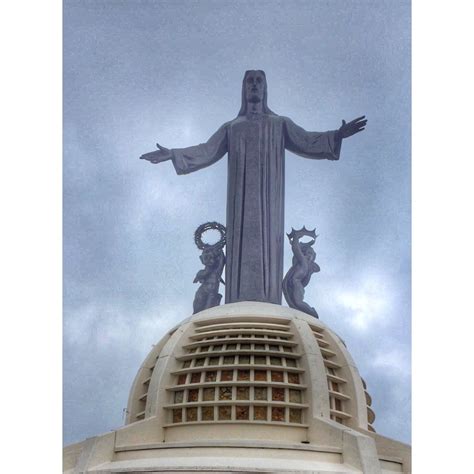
pixel 254 89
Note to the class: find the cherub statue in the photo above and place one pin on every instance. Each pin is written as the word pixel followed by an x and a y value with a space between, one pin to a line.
pixel 213 259
pixel 304 265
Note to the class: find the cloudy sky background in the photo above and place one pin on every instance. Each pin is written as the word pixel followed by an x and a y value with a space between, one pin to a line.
pixel 140 72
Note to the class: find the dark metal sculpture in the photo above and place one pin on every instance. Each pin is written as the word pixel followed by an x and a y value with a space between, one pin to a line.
pixel 213 259
pixel 300 273
pixel 255 142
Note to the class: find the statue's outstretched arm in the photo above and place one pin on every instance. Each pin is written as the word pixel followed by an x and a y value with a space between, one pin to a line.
pixel 193 158
pixel 295 246
pixel 320 145
pixel 314 145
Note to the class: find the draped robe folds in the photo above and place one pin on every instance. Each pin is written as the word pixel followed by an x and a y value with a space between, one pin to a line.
pixel 255 195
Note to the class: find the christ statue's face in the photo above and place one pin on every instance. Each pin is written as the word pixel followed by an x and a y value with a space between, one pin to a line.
pixel 255 86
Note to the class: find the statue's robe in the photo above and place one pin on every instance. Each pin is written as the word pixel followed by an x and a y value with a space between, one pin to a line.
pixel 255 195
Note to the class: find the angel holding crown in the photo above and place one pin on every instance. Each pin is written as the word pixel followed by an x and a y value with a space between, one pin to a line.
pixel 303 267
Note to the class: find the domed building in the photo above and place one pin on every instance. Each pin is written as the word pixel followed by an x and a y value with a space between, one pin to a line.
pixel 245 387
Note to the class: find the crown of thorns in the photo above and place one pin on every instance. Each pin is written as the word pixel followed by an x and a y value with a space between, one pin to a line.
pixel 204 228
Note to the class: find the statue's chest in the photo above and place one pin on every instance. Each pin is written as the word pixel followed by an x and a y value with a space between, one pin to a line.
pixel 255 132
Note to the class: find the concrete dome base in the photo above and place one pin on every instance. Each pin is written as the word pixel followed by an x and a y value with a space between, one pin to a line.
pixel 245 387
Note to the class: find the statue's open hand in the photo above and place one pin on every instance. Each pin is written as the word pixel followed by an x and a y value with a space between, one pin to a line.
pixel 351 128
pixel 162 154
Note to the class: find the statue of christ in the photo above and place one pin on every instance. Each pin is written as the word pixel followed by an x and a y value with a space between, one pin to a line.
pixel 255 142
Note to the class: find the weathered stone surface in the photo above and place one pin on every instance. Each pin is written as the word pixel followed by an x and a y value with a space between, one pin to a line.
pixel 280 423
pixel 255 142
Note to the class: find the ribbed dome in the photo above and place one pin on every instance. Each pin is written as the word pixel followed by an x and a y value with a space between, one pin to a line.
pixel 257 364
pixel 245 387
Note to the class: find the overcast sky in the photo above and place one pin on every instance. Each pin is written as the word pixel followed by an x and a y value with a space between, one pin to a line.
pixel 138 72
